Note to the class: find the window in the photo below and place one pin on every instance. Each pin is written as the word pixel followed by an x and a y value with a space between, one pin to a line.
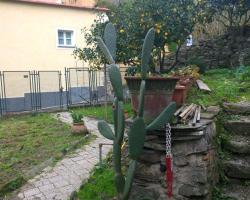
pixel 65 38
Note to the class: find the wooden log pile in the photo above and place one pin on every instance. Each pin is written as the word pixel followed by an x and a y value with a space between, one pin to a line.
pixel 189 114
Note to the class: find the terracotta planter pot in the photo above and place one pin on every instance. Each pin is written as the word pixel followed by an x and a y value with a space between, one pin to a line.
pixel 180 95
pixel 158 94
pixel 186 81
pixel 79 129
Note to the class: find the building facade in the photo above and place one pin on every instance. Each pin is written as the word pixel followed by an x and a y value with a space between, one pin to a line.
pixel 42 34
pixel 37 39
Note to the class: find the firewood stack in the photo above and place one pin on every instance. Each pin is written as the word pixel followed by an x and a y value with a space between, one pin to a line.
pixel 189 114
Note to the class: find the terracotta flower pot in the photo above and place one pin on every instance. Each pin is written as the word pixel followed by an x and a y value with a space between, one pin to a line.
pixel 180 95
pixel 158 94
pixel 79 129
pixel 186 81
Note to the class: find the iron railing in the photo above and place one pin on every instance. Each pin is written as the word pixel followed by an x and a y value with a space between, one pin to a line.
pixel 34 90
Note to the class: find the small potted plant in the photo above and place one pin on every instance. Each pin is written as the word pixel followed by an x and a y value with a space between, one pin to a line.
pixel 187 75
pixel 78 127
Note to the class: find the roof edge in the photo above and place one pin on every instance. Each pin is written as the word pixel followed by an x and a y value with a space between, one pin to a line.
pixel 64 5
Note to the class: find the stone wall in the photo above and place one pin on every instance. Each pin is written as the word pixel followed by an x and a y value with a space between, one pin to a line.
pixel 194 164
pixel 229 50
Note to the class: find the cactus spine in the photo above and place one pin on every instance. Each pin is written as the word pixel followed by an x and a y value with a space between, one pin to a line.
pixel 138 129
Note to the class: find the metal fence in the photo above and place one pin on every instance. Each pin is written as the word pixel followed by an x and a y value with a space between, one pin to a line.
pixel 2 95
pixel 33 91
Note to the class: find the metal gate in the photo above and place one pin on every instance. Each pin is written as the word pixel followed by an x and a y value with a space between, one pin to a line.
pixel 22 91
pixel 84 86
pixel 17 86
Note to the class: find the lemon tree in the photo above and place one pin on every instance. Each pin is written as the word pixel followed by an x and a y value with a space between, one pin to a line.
pixel 173 21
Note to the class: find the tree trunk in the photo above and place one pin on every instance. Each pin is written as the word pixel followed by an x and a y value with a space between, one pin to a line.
pixel 176 60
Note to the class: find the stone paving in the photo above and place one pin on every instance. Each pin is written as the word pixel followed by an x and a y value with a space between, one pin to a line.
pixel 67 176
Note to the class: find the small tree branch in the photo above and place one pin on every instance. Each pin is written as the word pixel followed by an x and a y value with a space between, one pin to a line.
pixel 162 58
pixel 176 59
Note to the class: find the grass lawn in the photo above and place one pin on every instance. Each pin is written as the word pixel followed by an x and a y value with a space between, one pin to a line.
pixel 100 186
pixel 27 141
pixel 99 112
pixel 225 86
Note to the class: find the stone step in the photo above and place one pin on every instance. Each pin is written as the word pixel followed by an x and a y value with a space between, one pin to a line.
pixel 240 126
pixel 241 108
pixel 238 166
pixel 237 191
pixel 239 144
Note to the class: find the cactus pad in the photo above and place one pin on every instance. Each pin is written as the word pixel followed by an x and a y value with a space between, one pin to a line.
pixel 163 118
pixel 116 81
pixel 120 122
pixel 129 178
pixel 141 98
pixel 105 51
pixel 119 182
pixel 105 130
pixel 115 106
pixel 146 52
pixel 110 39
pixel 136 137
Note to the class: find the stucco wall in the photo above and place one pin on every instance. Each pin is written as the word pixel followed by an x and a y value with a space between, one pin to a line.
pixel 28 35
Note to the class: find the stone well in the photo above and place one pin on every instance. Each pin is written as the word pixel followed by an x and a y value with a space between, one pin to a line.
pixel 194 164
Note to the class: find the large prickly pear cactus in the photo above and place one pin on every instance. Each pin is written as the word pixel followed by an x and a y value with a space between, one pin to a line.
pixel 137 131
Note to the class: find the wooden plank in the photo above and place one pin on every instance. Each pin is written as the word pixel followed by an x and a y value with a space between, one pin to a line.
pixel 179 110
pixel 186 111
pixel 190 112
pixel 199 114
pixel 202 85
pixel 195 116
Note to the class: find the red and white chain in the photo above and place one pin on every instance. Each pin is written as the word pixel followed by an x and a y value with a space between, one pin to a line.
pixel 168 140
pixel 169 162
